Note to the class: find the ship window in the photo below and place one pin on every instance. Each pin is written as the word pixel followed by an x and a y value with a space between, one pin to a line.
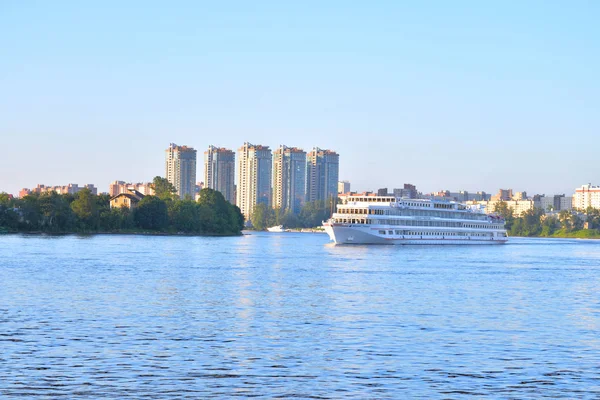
pixel 382 232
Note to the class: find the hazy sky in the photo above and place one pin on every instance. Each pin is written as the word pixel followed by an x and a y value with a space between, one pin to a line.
pixel 451 95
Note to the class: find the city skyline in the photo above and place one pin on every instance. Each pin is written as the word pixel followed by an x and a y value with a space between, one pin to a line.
pixel 232 172
pixel 444 95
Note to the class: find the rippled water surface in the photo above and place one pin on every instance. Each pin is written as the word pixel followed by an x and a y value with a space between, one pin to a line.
pixel 288 315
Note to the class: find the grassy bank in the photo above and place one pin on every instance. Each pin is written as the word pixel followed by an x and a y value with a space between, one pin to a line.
pixel 579 234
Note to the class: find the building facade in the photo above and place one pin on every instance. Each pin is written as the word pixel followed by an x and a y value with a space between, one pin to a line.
pixel 219 171
pixel 586 196
pixel 254 177
pixel 289 178
pixel 518 206
pixel 558 202
pixel 503 195
pixel 408 191
pixel 118 187
pixel 71 188
pixel 343 187
pixel 180 169
pixel 322 174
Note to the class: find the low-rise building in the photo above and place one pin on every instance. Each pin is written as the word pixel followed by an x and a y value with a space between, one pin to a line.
pixel 118 187
pixel 129 199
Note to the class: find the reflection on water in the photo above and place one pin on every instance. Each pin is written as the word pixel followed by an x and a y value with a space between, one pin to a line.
pixel 289 315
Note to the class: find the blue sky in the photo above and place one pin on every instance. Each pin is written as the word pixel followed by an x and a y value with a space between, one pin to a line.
pixel 445 95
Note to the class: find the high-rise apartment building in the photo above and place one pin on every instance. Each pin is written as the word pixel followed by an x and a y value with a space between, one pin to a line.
pixel 180 169
pixel 254 177
pixel 219 171
pixel 289 178
pixel 586 196
pixel 343 187
pixel 322 174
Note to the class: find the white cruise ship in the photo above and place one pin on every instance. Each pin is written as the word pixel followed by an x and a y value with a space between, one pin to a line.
pixel 364 219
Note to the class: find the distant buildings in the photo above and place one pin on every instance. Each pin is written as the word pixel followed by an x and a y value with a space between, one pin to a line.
pixel 254 177
pixel 219 171
pixel 322 174
pixel 461 196
pixel 118 187
pixel 180 169
pixel 503 194
pixel 71 188
pixel 343 187
pixel 289 178
pixel 558 202
pixel 586 196
pixel 408 191
pixel 518 206
pixel 520 203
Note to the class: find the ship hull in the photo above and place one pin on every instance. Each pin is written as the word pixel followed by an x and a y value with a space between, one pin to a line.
pixel 348 234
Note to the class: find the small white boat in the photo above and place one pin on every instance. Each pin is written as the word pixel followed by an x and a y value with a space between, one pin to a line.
pixel 278 228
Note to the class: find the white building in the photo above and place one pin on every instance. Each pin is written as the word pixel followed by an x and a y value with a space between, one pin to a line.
pixel 586 196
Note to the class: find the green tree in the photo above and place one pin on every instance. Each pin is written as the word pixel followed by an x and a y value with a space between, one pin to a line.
pixel 223 217
pixel 506 212
pixel 261 216
pixel 592 216
pixel 184 216
pixel 151 213
pixel 6 200
pixel 313 213
pixel 9 219
pixel 549 225
pixel 163 189
pixel 566 222
pixel 116 219
pixel 290 220
pixel 86 209
pixel 30 212
pixel 56 214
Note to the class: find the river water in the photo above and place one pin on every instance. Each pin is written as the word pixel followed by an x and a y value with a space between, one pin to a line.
pixel 287 315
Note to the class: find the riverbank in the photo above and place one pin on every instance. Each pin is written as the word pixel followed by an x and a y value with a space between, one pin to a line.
pixel 562 234
pixel 141 232
pixel 580 234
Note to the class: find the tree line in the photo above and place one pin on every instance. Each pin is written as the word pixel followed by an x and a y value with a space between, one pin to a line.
pixel 164 212
pixel 312 214
pixel 535 222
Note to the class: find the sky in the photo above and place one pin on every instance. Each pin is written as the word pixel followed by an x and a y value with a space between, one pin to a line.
pixel 456 95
